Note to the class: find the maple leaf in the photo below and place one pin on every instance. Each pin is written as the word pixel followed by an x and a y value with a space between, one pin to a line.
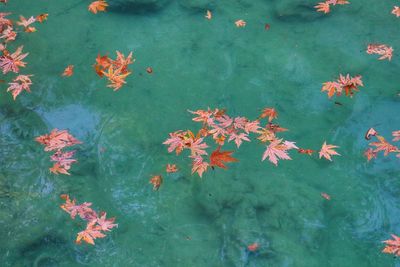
pixel 83 210
pixel 266 135
pixel 396 135
pixel 116 77
pixel 105 224
pixel 26 22
pixel 122 62
pixel 20 83
pixel 156 181
pixel 8 34
pixel 98 6
pixel 12 62
pixel 197 147
pixel 396 11
pixel 69 71
pixel 171 168
pixel 176 142
pixel 217 132
pixel 208 15
pixel 383 50
pixel 102 63
pixel 350 83
pixel 89 234
pixel 57 139
pixel 323 7
pixel 275 128
pixel 115 70
pixel 384 146
pixel 392 246
pixel 331 88
pixel 198 165
pixel 343 83
pixel 290 145
pixel 239 138
pixel 275 151
pixel 338 2
pixel 327 151
pixel 252 126
pixel 370 154
pixel 63 161
pixel 224 121
pixel 218 158
pixel 42 17
pixel 204 116
pixel 240 23
pixel 240 122
pixel 270 113
pixel 4 22
pixel 305 151
pixel 58 168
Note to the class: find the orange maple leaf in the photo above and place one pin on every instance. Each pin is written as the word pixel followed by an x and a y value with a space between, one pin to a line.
pixel 98 6
pixel 171 168
pixel 91 232
pixel 218 158
pixel 384 146
pixel 42 17
pixel 270 113
pixel 58 168
pixel 323 7
pixel 102 63
pixel 156 181
pixel 69 71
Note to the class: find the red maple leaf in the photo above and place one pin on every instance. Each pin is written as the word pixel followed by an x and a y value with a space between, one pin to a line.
pixel 218 158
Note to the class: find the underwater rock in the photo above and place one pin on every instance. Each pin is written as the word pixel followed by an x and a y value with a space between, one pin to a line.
pixel 296 10
pixel 44 251
pixel 197 4
pixel 20 123
pixel 137 6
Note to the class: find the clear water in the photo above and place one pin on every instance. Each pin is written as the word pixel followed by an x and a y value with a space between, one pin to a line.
pixel 198 64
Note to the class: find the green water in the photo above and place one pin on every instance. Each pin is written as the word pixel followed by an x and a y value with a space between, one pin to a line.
pixel 198 64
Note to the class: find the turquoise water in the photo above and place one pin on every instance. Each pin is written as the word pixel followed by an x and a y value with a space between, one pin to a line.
pixel 198 64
